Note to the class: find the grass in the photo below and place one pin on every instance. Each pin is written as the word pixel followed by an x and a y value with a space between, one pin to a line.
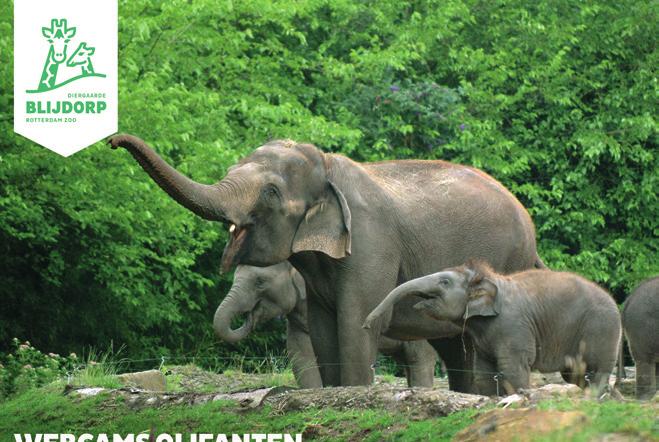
pixel 46 410
pixel 100 370
pixel 637 419
pixel 262 381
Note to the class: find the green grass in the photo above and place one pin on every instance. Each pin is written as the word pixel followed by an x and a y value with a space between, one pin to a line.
pixel 638 419
pixel 46 409
pixel 263 381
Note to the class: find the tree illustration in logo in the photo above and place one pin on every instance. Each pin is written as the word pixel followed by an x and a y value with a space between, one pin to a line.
pixel 59 34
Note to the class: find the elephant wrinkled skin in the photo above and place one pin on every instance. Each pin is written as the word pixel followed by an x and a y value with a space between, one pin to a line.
pixel 536 319
pixel 264 293
pixel 640 319
pixel 355 231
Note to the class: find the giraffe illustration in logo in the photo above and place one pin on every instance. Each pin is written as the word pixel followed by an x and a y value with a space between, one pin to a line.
pixel 82 57
pixel 58 36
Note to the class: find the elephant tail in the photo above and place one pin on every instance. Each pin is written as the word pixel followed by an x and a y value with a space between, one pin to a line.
pixel 620 365
pixel 539 264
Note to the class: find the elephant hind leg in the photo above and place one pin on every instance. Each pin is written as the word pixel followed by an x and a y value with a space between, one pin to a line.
pixel 458 363
pixel 420 358
pixel 646 379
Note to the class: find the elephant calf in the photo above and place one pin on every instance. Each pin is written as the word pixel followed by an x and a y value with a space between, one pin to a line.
pixel 536 319
pixel 640 319
pixel 264 293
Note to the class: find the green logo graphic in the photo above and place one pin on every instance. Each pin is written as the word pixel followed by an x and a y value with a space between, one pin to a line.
pixel 59 35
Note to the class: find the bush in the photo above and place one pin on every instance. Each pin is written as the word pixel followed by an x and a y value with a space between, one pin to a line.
pixel 26 367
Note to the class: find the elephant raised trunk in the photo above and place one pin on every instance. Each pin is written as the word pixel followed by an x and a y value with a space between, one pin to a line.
pixel 233 305
pixel 417 286
pixel 202 199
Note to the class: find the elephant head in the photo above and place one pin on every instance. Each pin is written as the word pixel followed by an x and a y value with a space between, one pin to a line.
pixel 262 293
pixel 278 201
pixel 453 294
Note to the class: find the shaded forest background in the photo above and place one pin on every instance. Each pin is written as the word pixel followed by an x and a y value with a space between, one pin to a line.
pixel 557 100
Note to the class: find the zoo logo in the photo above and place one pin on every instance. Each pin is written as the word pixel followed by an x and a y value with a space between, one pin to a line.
pixel 59 34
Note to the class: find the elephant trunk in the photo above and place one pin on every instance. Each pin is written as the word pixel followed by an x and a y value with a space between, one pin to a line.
pixel 225 313
pixel 204 200
pixel 415 286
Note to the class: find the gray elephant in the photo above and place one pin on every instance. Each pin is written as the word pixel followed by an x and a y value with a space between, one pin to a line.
pixel 263 293
pixel 355 231
pixel 640 319
pixel 536 319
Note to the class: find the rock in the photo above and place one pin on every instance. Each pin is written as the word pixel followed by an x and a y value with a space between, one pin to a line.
pixel 522 425
pixel 509 400
pixel 251 399
pixel 540 379
pixel 552 391
pixel 531 396
pixel 137 399
pixel 419 402
pixel 151 380
pixel 88 392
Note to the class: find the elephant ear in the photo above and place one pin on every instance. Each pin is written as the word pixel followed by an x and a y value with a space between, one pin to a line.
pixel 298 284
pixel 326 226
pixel 482 298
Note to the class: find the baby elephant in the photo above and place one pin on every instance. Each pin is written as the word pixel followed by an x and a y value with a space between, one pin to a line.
pixel 640 319
pixel 536 319
pixel 263 293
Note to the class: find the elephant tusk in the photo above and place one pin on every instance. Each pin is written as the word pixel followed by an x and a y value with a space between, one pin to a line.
pixel 232 228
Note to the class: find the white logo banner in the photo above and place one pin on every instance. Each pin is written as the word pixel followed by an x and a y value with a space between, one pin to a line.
pixel 65 72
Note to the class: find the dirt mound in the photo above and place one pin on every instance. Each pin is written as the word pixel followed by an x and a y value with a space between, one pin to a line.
pixel 521 425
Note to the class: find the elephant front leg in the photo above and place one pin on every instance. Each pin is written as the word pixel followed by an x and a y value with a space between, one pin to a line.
pixel 486 377
pixel 358 350
pixel 302 357
pixel 515 373
pixel 458 356
pixel 324 338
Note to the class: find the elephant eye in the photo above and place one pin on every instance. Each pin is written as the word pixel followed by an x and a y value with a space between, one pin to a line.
pixel 271 192
pixel 444 282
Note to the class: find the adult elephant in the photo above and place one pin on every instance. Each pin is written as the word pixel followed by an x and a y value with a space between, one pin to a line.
pixel 640 320
pixel 355 231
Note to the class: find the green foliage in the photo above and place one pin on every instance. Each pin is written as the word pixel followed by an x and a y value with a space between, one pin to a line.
pixel 555 99
pixel 25 368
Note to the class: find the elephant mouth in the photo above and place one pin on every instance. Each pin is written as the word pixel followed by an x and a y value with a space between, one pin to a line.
pixel 231 254
pixel 247 320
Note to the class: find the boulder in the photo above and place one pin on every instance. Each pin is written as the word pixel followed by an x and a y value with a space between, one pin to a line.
pixel 151 380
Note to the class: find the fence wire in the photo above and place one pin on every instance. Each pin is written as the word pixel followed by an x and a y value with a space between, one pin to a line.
pixel 285 361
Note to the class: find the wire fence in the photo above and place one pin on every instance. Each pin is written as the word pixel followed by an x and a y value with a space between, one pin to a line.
pixel 284 362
